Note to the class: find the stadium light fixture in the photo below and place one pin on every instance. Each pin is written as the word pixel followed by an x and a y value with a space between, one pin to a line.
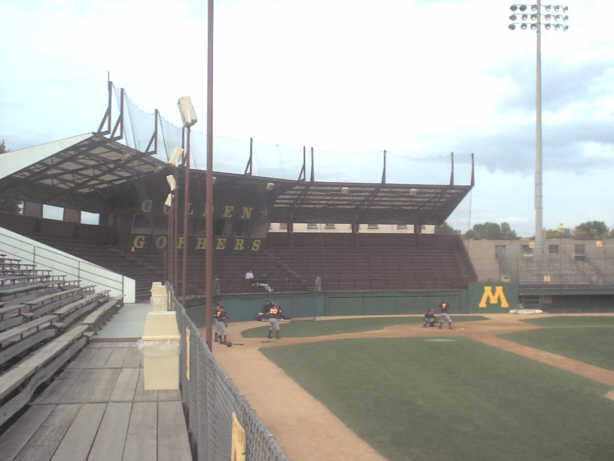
pixel 535 22
pixel 186 109
pixel 176 156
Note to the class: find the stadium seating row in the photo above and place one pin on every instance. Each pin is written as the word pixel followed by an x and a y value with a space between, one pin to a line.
pixel 44 321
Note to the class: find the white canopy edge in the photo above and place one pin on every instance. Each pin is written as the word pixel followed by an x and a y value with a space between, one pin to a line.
pixel 13 161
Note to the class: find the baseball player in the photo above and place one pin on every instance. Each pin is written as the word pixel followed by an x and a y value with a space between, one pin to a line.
pixel 273 312
pixel 220 318
pixel 443 308
pixel 430 319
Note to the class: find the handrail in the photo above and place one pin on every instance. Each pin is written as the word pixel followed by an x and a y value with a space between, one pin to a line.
pixel 58 269
pixel 63 263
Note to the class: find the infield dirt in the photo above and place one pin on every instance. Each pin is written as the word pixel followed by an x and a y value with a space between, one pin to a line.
pixel 306 429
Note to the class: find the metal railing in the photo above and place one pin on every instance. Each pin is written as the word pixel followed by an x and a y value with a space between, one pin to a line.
pixel 19 247
pixel 210 398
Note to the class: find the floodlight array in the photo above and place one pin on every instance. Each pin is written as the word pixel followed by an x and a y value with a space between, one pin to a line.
pixel 531 17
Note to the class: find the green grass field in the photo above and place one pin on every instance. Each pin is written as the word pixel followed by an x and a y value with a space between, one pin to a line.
pixel 590 345
pixel 419 399
pixel 572 321
pixel 305 328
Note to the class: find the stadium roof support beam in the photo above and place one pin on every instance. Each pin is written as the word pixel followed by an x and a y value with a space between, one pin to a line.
pixel 82 149
pixel 120 120
pixel 85 152
pixel 154 137
pixel 107 115
pixel 248 167
pixel 312 174
pixel 107 169
pixel 384 169
pixel 301 174
pixel 119 123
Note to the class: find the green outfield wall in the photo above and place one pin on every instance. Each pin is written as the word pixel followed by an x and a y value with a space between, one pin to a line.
pixel 245 307
pixel 492 297
pixel 396 302
pixel 477 298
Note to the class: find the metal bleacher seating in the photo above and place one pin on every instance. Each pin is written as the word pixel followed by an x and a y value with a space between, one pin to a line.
pixel 45 321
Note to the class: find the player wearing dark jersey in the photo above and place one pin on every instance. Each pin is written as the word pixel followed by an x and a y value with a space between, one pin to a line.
pixel 274 313
pixel 443 308
pixel 220 318
pixel 430 319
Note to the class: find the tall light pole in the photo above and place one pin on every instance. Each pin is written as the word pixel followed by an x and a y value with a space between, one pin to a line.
pixel 534 17
pixel 209 182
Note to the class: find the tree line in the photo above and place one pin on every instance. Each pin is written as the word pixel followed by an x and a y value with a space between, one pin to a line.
pixel 589 230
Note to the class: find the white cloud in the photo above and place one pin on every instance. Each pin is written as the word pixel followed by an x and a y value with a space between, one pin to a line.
pixel 418 78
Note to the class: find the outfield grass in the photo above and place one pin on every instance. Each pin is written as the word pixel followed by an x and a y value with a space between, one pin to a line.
pixel 590 345
pixel 572 321
pixel 305 328
pixel 417 399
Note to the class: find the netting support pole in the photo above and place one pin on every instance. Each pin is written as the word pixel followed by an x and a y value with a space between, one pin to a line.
pixel 301 174
pixel 312 175
pixel 120 119
pixel 248 167
pixel 107 114
pixel 209 183
pixel 451 168
pixel 384 170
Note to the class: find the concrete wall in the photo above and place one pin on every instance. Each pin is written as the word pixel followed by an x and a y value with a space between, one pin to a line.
pixel 564 262
pixel 483 257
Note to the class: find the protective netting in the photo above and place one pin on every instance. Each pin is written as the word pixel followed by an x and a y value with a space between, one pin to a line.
pixel 283 161
pixel 209 398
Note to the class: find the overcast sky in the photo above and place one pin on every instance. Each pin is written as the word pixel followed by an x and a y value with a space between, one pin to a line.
pixel 420 79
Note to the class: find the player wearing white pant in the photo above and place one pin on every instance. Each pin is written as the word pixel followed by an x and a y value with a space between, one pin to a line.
pixel 274 313
pixel 443 307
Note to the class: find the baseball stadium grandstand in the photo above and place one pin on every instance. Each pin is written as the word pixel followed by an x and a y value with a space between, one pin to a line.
pixel 62 276
pixel 132 239
pixel 126 188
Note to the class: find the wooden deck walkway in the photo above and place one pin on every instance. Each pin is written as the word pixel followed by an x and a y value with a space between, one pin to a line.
pixel 97 409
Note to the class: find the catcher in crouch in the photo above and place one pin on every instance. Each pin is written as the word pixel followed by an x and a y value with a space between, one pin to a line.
pixel 274 313
pixel 220 318
pixel 430 319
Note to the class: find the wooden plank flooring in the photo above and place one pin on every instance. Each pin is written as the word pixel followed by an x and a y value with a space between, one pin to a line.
pixel 97 409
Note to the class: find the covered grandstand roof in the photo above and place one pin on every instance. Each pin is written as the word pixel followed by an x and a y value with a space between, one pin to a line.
pixel 73 171
pixel 88 171
pixel 343 202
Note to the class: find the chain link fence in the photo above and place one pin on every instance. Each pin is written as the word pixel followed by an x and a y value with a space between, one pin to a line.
pixel 209 400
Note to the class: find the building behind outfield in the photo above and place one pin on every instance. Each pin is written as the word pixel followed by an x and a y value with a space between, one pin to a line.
pixel 577 275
